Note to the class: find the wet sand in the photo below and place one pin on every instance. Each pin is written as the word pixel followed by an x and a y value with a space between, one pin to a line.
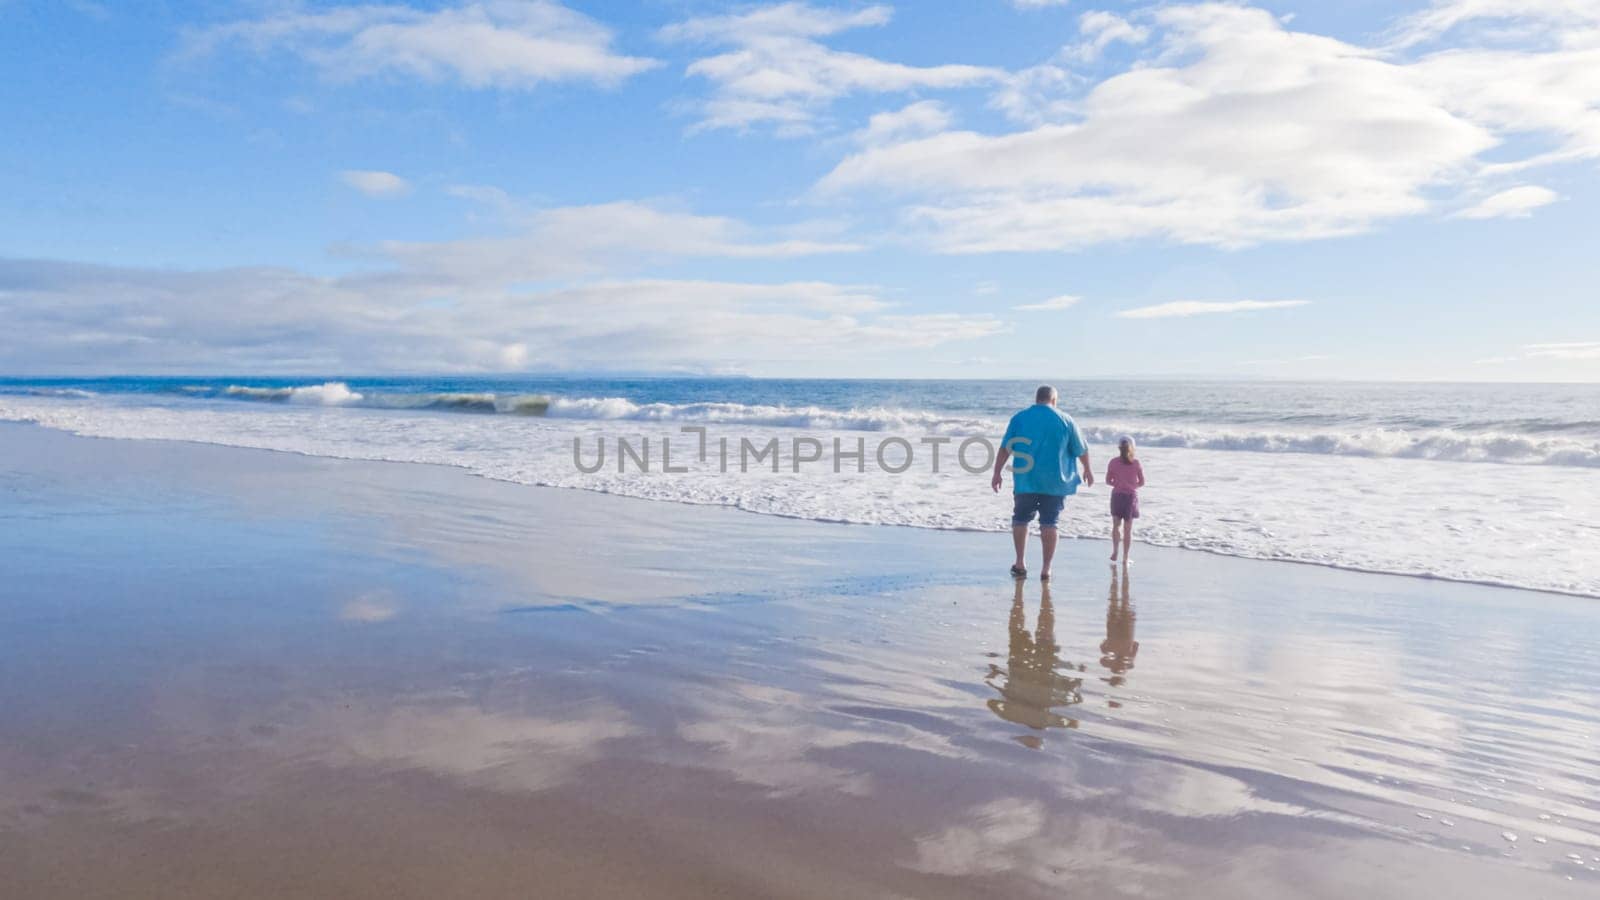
pixel 232 673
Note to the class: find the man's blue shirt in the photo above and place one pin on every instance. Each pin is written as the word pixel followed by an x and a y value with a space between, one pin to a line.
pixel 1052 440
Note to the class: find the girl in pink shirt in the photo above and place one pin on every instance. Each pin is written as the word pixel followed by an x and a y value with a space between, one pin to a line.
pixel 1125 476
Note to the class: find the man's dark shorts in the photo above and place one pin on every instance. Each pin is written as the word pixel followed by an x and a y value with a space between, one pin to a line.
pixel 1048 506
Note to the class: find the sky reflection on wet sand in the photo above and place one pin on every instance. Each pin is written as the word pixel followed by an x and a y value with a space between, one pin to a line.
pixel 335 695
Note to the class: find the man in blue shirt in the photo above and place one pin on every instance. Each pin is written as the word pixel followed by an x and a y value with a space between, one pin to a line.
pixel 1045 442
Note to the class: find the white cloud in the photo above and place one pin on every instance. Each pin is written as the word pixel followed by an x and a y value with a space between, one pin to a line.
pixel 430 310
pixel 1514 203
pixel 1064 301
pixel 1102 29
pixel 1548 97
pixel 1288 361
pixel 565 288
pixel 778 74
pixel 1051 92
pixel 489 44
pixel 922 117
pixel 1232 130
pixel 1565 350
pixel 375 183
pixel 1447 15
pixel 1205 308
pixel 1157 151
pixel 575 241
pixel 780 20
pixel 1040 94
pixel 496 200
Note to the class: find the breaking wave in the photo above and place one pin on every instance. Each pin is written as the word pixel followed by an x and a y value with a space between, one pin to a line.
pixel 812 417
pixel 622 409
pixel 1442 445
pixel 1438 445
pixel 332 393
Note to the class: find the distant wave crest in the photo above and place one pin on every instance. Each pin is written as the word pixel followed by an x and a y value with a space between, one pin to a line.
pixel 332 393
pixel 1443 446
pixel 622 409
pixel 1432 444
pixel 814 417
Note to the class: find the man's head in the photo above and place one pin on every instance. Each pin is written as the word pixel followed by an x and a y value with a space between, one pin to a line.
pixel 1045 394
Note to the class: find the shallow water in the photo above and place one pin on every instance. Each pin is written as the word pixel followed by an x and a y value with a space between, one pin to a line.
pixel 227 670
pixel 1497 484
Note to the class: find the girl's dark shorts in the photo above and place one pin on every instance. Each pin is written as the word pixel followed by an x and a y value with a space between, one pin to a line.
pixel 1124 505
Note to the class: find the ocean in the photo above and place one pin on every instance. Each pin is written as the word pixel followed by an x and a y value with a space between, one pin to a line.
pixel 1496 484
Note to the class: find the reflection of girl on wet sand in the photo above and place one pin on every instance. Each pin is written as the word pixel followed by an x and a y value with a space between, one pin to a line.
pixel 1119 648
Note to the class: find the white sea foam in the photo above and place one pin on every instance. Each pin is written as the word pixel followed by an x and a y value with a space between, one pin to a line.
pixel 1448 446
pixel 807 417
pixel 1417 443
pixel 622 409
pixel 1416 516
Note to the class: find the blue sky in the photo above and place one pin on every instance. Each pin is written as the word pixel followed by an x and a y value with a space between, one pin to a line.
pixel 1351 190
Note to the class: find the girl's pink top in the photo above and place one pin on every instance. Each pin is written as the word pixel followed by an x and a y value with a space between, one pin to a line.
pixel 1124 477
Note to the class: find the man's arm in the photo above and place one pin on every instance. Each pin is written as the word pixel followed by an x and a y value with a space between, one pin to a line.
pixel 999 466
pixel 1083 445
pixel 1004 455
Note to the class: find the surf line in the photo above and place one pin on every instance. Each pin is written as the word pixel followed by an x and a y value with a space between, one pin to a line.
pixel 892 455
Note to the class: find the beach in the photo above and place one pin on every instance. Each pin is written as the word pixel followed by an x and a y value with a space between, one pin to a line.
pixel 235 672
pixel 520 448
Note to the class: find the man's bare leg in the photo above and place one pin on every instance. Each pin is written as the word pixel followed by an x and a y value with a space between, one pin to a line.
pixel 1019 536
pixel 1047 538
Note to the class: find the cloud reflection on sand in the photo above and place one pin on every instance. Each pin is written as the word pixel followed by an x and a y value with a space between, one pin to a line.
pixel 371 607
pixel 1021 837
pixel 765 735
pixel 1355 726
pixel 492 749
pixel 1280 733
pixel 478 727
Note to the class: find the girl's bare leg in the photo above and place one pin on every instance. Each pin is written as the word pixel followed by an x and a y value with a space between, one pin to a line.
pixel 1127 537
pixel 1115 537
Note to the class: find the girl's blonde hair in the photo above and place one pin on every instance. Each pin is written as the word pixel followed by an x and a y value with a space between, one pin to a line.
pixel 1125 449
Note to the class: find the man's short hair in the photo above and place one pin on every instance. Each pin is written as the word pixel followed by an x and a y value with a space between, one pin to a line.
pixel 1044 394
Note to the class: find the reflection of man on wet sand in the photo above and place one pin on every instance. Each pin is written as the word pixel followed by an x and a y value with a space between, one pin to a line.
pixel 1119 648
pixel 1029 685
